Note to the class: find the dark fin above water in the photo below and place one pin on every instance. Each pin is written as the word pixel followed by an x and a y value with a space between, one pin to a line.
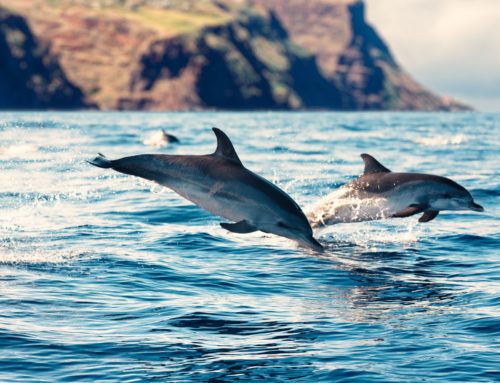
pixel 170 138
pixel 225 147
pixel 409 211
pixel 372 165
pixel 101 162
pixel 429 215
pixel 242 227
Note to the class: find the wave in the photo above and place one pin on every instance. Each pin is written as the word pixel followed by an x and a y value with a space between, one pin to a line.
pixel 37 255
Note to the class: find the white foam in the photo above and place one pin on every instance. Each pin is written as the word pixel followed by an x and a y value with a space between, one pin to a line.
pixel 457 139
pixel 16 151
pixel 373 235
pixel 339 207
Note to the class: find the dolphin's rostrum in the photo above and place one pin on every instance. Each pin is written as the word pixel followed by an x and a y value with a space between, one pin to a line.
pixel 380 193
pixel 219 183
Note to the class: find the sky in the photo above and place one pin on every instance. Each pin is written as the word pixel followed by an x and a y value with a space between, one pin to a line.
pixel 450 46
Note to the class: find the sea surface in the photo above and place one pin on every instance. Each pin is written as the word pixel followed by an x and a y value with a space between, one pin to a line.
pixel 108 278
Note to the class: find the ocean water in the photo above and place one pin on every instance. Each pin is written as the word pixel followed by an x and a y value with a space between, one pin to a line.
pixel 108 278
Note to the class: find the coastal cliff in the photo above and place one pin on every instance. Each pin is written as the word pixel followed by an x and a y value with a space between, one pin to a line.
pixel 30 76
pixel 352 55
pixel 212 54
pixel 248 63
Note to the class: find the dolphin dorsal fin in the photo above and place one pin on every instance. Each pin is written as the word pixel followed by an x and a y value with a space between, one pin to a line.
pixel 372 165
pixel 225 147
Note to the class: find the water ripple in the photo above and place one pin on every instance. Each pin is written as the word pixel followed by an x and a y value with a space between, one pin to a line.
pixel 106 278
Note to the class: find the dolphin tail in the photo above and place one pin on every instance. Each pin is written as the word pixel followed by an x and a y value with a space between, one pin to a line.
pixel 101 162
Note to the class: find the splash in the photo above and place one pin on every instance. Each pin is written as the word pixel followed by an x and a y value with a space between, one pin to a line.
pixel 373 236
pixel 341 207
pixel 333 214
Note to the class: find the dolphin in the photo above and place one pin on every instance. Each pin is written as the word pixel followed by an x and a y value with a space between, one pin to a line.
pixel 380 193
pixel 219 183
pixel 160 139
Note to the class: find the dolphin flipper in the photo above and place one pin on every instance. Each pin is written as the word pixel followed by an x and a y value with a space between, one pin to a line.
pixel 429 215
pixel 409 211
pixel 242 227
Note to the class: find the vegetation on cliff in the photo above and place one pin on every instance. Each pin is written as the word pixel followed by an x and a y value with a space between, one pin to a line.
pixel 248 63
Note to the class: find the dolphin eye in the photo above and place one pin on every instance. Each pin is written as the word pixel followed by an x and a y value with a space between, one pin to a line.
pixel 446 195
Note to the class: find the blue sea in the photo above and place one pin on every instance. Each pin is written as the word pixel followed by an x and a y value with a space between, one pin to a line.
pixel 109 278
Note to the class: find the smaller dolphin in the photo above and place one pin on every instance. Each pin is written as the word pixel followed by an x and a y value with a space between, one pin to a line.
pixel 160 139
pixel 219 183
pixel 380 193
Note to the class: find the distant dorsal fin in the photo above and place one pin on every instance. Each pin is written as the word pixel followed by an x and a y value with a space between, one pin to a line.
pixel 372 165
pixel 225 147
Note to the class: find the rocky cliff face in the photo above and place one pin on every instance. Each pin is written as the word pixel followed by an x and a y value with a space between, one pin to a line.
pixel 217 54
pixel 30 76
pixel 353 56
pixel 249 63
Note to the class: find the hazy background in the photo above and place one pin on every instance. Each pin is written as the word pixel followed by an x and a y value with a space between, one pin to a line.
pixel 451 46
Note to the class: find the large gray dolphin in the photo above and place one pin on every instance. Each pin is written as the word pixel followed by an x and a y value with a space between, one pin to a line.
pixel 380 193
pixel 219 183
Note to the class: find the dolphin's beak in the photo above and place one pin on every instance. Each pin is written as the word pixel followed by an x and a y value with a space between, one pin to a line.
pixel 476 207
pixel 311 243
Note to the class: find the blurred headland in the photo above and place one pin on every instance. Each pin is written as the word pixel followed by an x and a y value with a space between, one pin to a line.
pixel 207 54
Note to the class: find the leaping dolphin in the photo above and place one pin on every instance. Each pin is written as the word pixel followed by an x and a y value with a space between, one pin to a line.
pixel 380 193
pixel 219 183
